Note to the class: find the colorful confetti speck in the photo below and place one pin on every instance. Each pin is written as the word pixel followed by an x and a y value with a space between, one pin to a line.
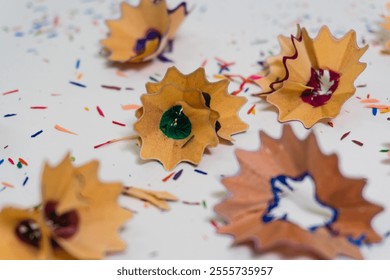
pixel 77 84
pixel 345 135
pixel 358 143
pixel 118 123
pixel 200 171
pixel 168 177
pixel 11 91
pixel 111 87
pixel 100 111
pixel 60 128
pixel 178 174
pixel 36 134
pixel 25 181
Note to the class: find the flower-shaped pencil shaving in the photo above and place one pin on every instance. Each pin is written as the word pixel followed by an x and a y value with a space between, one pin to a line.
pixel 144 31
pixel 288 195
pixel 79 218
pixel 312 78
pixel 184 114
pixel 386 26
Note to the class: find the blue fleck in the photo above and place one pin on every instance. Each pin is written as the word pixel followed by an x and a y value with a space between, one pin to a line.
pixel 358 241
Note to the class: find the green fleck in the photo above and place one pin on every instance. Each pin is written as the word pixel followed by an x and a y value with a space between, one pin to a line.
pixel 175 124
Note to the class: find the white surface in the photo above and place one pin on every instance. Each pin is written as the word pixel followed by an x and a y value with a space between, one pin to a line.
pixel 232 30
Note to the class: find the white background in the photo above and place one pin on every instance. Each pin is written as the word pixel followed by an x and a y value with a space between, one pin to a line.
pixel 44 63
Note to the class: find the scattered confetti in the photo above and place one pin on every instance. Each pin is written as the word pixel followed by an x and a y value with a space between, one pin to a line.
pixel 1 161
pixel 372 104
pixel 100 111
pixel 22 161
pixel 214 224
pixel 223 65
pixel 153 79
pixel 9 115
pixel 251 109
pixel 178 174
pixel 345 135
pixel 78 64
pixel 131 137
pixel 121 74
pixel 60 128
pixel 36 134
pixel 358 143
pixel 38 107
pixel 118 123
pixel 204 204
pixel 102 144
pixel 243 81
pixel 130 107
pixel 200 171
pixel 330 124
pixel 111 87
pixel 168 177
pixel 8 185
pixel 25 181
pixel 358 241
pixel 11 91
pixel 10 160
pixel 77 84
pixel 371 100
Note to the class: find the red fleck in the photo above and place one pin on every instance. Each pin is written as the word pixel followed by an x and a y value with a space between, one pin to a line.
pixel 111 87
pixel 358 143
pixel 345 135
pixel 38 107
pixel 100 111
pixel 11 91
pixel 168 177
pixel 214 224
pixel 22 161
pixel 102 144
pixel 251 109
pixel 118 123
pixel 56 21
